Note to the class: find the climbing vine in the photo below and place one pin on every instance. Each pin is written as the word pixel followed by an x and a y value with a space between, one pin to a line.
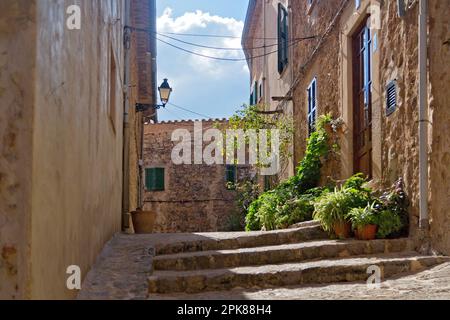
pixel 291 200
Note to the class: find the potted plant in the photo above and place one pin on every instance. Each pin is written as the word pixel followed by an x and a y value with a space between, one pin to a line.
pixel 364 222
pixel 143 221
pixel 331 211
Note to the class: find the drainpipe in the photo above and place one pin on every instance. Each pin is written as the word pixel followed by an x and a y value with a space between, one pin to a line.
pixel 423 116
pixel 126 124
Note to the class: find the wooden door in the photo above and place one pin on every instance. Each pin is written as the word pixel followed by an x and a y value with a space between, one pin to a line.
pixel 362 101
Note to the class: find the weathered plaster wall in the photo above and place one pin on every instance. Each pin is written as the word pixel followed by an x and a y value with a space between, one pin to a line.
pixel 195 198
pixel 17 75
pixel 440 128
pixel 77 141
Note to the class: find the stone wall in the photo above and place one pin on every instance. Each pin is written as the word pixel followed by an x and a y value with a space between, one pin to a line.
pixel 315 58
pixel 395 137
pixel 195 198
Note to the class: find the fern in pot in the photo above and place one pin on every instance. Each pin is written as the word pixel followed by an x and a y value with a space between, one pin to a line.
pixel 331 211
pixel 364 222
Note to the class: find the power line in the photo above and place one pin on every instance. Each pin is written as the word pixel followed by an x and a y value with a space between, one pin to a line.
pixel 226 59
pixel 186 109
pixel 224 48
pixel 215 36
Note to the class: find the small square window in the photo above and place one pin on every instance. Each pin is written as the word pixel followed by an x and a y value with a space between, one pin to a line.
pixel 154 179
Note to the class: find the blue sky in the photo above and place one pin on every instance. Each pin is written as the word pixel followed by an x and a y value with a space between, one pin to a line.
pixel 211 88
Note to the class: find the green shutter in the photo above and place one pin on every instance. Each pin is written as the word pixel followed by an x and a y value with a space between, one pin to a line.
pixel 154 179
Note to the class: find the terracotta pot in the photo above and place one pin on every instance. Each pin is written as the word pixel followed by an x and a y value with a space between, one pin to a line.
pixel 143 221
pixel 368 232
pixel 342 229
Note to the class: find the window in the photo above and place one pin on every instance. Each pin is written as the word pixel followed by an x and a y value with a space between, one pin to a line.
pixel 261 89
pixel 391 97
pixel 254 94
pixel 357 4
pixel 267 183
pixel 154 179
pixel 231 175
pixel 112 91
pixel 283 40
pixel 310 6
pixel 312 106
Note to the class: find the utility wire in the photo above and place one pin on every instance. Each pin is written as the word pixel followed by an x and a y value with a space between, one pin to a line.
pixel 186 109
pixel 224 48
pixel 226 59
pixel 214 36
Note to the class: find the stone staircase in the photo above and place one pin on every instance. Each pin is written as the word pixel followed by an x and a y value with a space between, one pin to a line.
pixel 298 256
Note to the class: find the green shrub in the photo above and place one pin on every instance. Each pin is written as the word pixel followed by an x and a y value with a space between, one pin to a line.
pixel 389 223
pixel 393 217
pixel 361 217
pixel 287 203
pixel 335 206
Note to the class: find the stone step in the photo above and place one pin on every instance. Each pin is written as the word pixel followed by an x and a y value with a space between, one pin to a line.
pixel 234 240
pixel 313 272
pixel 284 253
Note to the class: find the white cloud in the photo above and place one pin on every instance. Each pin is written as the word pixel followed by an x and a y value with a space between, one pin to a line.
pixel 203 21
pixel 211 87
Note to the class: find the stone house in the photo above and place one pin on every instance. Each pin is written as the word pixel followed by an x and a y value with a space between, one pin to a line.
pixel 192 196
pixel 369 64
pixel 271 75
pixel 67 99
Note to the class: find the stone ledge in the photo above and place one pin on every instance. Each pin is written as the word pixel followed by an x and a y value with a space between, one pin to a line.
pixel 324 271
pixel 284 253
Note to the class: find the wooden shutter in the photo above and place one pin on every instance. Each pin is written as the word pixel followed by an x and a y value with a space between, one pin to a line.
pixel 154 179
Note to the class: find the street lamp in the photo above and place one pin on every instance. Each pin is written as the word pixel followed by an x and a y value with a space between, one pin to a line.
pixel 164 93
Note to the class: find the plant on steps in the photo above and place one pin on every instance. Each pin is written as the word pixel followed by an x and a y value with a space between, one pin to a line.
pixel 332 209
pixel 290 202
pixel 364 222
pixel 393 206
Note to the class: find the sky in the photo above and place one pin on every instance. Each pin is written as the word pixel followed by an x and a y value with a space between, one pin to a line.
pixel 213 89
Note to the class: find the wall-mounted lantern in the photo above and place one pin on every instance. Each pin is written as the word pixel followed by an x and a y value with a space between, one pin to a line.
pixel 164 93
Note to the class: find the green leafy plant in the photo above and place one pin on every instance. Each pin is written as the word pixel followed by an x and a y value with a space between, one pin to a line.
pixel 361 217
pixel 318 146
pixel 388 223
pixel 246 193
pixel 335 206
pixel 252 118
pixel 393 217
pixel 291 201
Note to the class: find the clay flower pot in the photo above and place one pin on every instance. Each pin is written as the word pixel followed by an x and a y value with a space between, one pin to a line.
pixel 367 232
pixel 342 229
pixel 143 221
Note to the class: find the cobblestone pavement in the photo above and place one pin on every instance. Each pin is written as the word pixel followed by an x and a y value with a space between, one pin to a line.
pixel 121 270
pixel 430 284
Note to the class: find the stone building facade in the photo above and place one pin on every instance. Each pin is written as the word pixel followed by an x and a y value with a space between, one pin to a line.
pixel 363 67
pixel 270 77
pixel 193 196
pixel 62 139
